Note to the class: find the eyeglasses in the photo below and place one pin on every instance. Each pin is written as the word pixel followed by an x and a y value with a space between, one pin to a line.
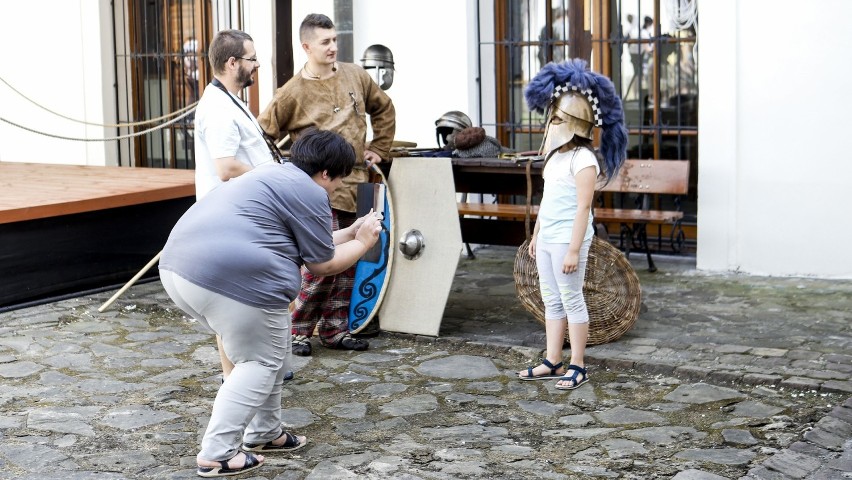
pixel 253 59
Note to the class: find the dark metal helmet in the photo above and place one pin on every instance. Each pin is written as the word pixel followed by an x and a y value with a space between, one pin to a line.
pixel 379 57
pixel 450 123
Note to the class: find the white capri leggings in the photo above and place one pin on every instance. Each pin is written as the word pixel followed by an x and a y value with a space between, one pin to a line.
pixel 562 294
pixel 257 340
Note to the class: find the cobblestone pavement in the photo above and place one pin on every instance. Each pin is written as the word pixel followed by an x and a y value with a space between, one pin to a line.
pixel 722 376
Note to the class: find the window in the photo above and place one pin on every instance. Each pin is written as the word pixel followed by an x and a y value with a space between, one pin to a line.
pixel 160 66
pixel 647 47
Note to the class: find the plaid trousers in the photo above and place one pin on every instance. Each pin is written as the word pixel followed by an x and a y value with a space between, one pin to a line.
pixel 323 302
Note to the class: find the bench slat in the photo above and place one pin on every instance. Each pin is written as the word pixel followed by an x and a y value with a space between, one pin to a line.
pixel 499 210
pixel 517 212
pixel 634 215
pixel 651 176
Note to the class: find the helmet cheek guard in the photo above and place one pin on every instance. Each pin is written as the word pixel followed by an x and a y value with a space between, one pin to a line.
pixel 570 115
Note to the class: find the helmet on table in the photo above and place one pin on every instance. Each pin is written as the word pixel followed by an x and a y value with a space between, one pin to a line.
pixel 450 123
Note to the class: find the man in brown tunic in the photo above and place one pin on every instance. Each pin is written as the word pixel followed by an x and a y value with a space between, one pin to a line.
pixel 332 96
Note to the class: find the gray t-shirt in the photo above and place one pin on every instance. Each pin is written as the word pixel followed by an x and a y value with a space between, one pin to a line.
pixel 248 238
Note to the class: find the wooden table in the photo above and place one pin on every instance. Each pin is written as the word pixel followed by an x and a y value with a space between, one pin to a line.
pixel 502 177
pixel 496 176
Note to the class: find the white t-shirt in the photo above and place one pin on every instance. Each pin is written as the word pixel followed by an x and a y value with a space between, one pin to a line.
pixel 222 130
pixel 559 200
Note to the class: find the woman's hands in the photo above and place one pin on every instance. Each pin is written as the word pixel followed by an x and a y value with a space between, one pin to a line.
pixel 367 228
pixel 351 243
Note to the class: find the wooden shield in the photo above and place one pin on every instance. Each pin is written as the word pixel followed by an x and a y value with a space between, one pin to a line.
pixel 424 207
pixel 371 271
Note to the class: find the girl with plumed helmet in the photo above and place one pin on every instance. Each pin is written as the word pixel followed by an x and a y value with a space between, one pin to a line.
pixel 574 100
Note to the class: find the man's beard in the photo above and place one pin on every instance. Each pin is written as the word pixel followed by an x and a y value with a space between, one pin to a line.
pixel 244 78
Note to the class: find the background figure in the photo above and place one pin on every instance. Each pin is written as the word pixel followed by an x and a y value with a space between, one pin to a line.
pixel 641 54
pixel 334 96
pixel 688 73
pixel 628 25
pixel 190 68
pixel 228 140
pixel 232 263
pixel 558 33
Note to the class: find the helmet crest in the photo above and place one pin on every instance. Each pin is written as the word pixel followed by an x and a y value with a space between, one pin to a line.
pixel 557 79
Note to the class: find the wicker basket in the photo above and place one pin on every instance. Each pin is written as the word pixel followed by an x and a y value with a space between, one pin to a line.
pixel 611 290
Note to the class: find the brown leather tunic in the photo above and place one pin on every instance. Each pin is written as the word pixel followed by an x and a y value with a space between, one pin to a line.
pixel 340 104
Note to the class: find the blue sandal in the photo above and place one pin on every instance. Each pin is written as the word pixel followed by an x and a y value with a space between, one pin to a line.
pixel 553 368
pixel 575 371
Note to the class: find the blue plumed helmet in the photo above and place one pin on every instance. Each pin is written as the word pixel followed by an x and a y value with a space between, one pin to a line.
pixel 561 83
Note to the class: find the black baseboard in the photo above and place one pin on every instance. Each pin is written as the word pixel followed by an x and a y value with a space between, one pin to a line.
pixel 58 256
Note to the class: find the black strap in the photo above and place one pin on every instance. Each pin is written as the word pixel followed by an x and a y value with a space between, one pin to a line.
pixel 270 144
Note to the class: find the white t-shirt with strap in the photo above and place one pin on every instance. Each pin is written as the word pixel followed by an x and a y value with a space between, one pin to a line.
pixel 559 200
pixel 223 130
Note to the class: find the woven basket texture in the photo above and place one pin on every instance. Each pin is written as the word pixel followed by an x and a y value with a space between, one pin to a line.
pixel 611 290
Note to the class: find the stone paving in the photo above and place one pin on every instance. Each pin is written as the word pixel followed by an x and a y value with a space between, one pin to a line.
pixel 723 376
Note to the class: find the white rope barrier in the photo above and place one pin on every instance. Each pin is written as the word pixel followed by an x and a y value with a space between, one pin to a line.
pixel 110 139
pixel 108 125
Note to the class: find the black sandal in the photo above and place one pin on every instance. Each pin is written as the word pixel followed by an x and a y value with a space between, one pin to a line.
pixel 291 442
pixel 301 346
pixel 223 470
pixel 350 343
pixel 553 368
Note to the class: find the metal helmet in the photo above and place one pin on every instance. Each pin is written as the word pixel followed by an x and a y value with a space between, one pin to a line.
pixel 377 56
pixel 571 115
pixel 544 94
pixel 450 123
pixel 381 58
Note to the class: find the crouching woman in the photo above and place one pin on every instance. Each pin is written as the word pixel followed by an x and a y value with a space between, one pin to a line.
pixel 232 263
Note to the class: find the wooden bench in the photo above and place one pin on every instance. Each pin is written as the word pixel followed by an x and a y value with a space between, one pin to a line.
pixel 640 177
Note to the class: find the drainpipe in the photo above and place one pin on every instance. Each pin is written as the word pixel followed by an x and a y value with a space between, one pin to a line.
pixel 343 26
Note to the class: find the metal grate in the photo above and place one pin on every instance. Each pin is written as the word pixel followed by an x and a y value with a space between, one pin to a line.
pixel 160 57
pixel 655 71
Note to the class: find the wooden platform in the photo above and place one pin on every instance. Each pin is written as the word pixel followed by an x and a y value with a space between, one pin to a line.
pixel 29 190
pixel 67 229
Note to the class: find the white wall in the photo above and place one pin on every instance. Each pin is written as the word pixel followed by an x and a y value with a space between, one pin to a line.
pixel 774 151
pixel 434 65
pixel 259 24
pixel 430 41
pixel 67 68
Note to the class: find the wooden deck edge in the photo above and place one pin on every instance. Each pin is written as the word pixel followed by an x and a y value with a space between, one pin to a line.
pixel 96 203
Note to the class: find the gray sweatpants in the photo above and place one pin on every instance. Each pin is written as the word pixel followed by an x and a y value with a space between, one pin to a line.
pixel 257 341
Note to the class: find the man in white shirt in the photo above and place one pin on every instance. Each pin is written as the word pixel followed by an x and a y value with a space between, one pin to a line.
pixel 228 139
